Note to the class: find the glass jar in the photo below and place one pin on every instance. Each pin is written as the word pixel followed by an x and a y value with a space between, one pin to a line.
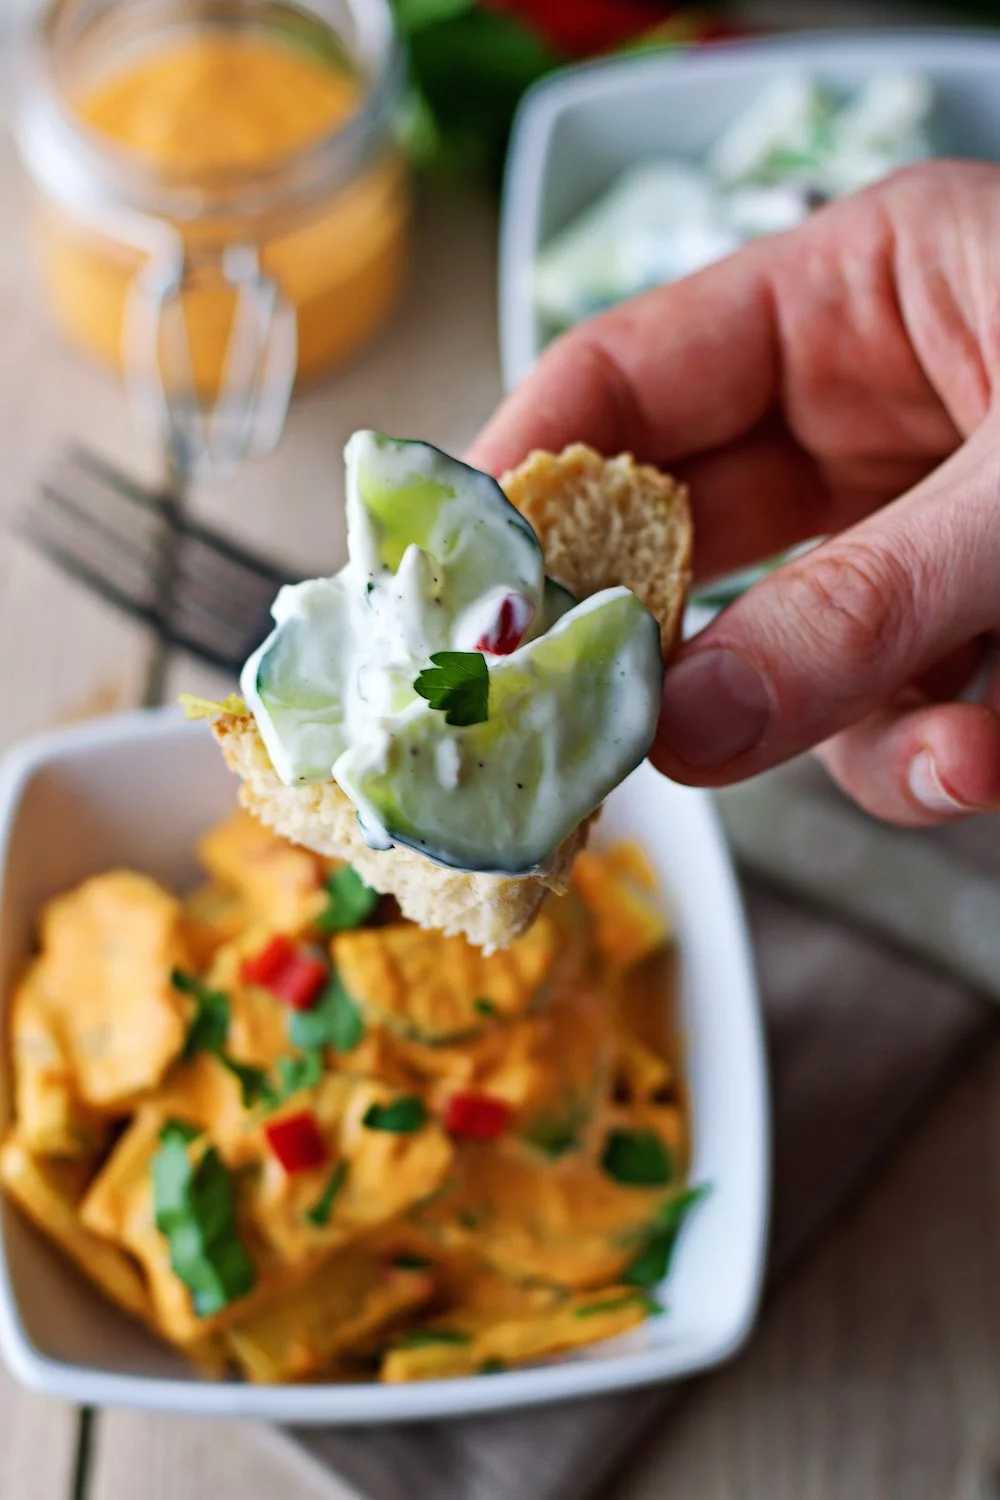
pixel 222 205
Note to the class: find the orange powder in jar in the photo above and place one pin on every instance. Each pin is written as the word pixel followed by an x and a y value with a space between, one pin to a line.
pixel 210 104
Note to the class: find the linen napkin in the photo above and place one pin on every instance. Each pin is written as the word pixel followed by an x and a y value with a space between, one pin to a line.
pixel 871 944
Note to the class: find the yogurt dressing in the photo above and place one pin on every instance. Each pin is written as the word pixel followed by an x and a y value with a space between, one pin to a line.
pixel 439 561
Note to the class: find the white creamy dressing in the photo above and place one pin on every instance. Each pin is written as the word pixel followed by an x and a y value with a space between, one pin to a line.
pixel 795 147
pixel 440 561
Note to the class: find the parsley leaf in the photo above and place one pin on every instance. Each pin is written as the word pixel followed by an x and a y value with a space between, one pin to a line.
pixel 424 1338
pixel 195 1212
pixel 638 1158
pixel 653 1262
pixel 295 1074
pixel 253 1082
pixel 403 1116
pixel 458 683
pixel 180 1130
pixel 349 902
pixel 334 1020
pixel 209 1025
pixel 493 1367
pixel 412 1263
pixel 320 1212
pixel 614 1304
pixel 484 1007
pixel 553 1134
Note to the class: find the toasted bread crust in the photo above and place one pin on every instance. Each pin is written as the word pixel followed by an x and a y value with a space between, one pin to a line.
pixel 490 910
pixel 601 522
pixel 607 521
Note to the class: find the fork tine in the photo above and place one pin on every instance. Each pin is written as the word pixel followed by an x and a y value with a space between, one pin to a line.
pixel 195 587
pixel 69 538
pixel 115 479
pixel 80 518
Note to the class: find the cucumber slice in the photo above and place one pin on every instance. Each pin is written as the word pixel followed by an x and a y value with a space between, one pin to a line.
pixel 570 715
pixel 294 683
pixel 556 602
pixel 402 495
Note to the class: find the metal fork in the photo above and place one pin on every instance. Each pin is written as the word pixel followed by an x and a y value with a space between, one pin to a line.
pixel 135 547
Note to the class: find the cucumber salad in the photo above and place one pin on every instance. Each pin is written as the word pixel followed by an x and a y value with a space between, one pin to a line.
pixel 467 705
pixel 797 146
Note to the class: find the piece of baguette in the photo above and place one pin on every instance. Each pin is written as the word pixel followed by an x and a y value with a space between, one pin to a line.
pixel 601 522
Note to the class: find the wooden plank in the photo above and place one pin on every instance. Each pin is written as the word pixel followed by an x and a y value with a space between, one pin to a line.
pixel 37 1445
pixel 175 1458
pixel 62 653
pixel 877 1371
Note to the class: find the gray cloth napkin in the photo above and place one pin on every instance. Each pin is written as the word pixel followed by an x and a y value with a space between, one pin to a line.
pixel 860 1030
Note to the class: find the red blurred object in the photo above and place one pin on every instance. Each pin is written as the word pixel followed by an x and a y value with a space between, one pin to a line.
pixel 579 28
pixel 508 631
pixel 477 1116
pixel 288 974
pixel 297 1141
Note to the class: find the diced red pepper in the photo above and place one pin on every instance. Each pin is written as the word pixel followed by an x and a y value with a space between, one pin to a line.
pixel 297 1141
pixel 478 1116
pixel 260 968
pixel 507 633
pixel 292 976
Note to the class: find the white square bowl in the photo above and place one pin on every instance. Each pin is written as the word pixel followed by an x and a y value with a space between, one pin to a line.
pixel 576 132
pixel 137 790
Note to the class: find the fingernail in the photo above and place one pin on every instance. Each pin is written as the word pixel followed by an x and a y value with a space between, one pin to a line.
pixel 927 787
pixel 715 706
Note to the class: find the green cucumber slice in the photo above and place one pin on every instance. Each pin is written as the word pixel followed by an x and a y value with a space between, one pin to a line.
pixel 570 715
pixel 294 684
pixel 404 494
pixel 556 602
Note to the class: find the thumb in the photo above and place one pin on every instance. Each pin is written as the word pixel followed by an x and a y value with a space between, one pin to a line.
pixel 829 637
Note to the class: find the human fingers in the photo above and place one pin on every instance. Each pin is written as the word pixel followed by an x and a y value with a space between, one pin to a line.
pixel 923 764
pixel 831 637
pixel 680 368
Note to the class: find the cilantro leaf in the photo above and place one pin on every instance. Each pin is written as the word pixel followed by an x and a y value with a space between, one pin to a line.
pixel 484 1007
pixel 180 1130
pixel 425 1338
pixel 294 1075
pixel 253 1082
pixel 209 1025
pixel 654 1260
pixel 614 1304
pixel 333 1021
pixel 195 1211
pixel 349 902
pixel 402 1117
pixel 637 1158
pixel 458 683
pixel 412 1263
pixel 493 1367
pixel 320 1212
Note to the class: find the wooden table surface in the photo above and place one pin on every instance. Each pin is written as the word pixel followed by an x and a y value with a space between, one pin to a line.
pixel 876 1371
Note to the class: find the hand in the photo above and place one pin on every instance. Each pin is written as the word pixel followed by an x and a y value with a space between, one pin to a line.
pixel 839 380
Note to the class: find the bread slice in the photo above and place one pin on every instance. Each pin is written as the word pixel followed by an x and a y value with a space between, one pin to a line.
pixel 601 522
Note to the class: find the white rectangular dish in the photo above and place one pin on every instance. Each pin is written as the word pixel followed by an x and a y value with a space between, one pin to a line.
pixel 136 790
pixel 576 132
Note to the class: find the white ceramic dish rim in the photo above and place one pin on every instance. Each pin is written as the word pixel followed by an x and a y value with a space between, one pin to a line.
pixel 521 342
pixel 374 1404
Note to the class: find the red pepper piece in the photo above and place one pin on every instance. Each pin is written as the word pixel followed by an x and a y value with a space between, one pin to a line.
pixel 291 976
pixel 260 968
pixel 297 1141
pixel 478 1116
pixel 508 632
